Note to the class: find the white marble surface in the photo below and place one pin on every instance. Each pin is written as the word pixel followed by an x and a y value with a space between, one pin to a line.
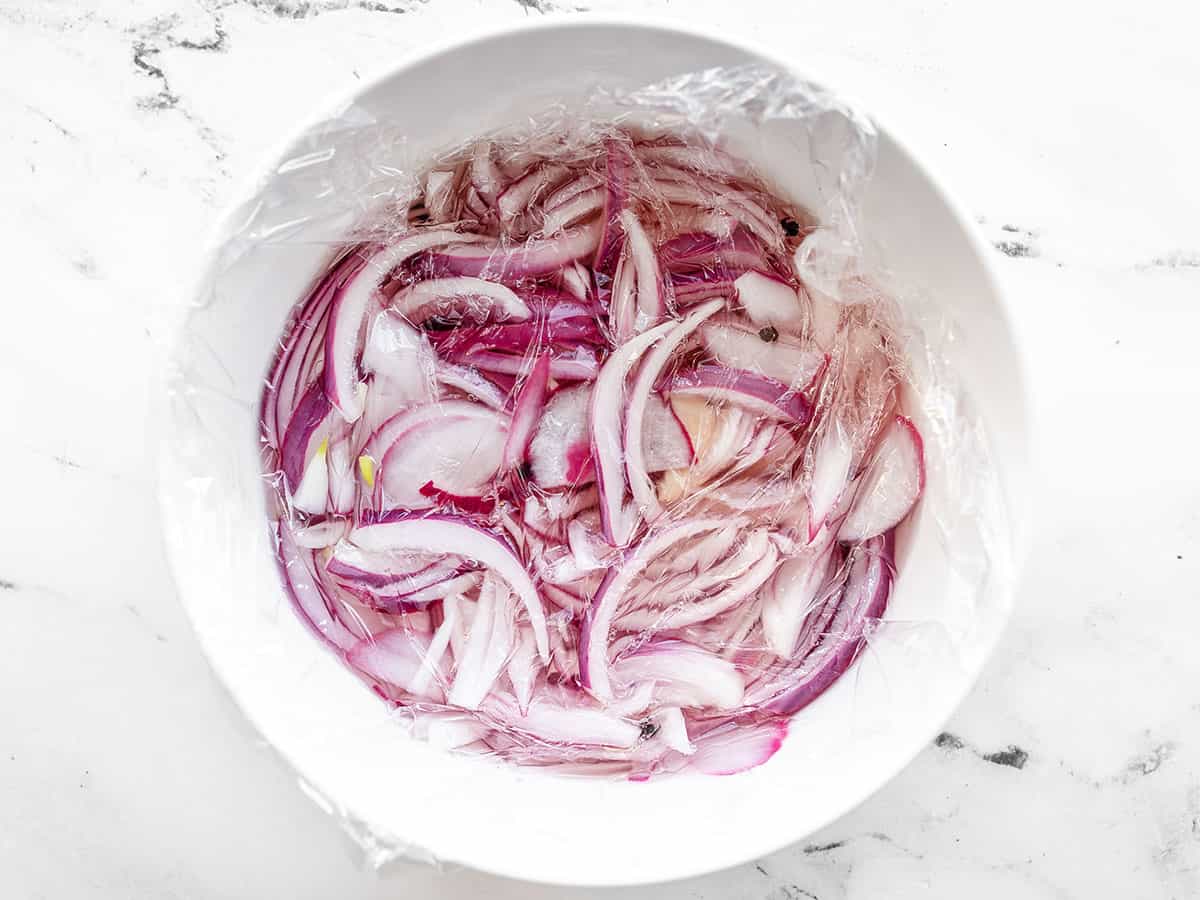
pixel 1069 130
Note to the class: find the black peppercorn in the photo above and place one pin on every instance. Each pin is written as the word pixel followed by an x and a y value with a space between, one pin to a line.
pixel 439 323
pixel 790 227
pixel 649 730
pixel 769 334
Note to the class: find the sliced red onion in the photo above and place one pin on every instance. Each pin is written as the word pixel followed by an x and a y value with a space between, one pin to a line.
pixel 308 428
pixel 549 512
pixel 526 413
pixel 705 553
pixel 563 598
pixel 890 486
pixel 527 260
pixel 468 503
pixel 307 598
pixel 665 442
pixel 752 550
pixel 564 720
pixel 639 395
pixel 769 301
pixel 304 343
pixel 863 600
pixel 683 674
pixel 689 611
pixel 515 198
pixel 348 562
pixel 470 382
pixel 795 591
pixel 395 657
pixel 678 186
pixel 343 337
pixel 440 477
pixel 577 282
pixel 475 204
pixel 572 189
pixel 757 393
pixel 312 493
pixel 489 643
pixel 472 298
pixel 553 304
pixel 439 195
pixel 692 288
pixel 580 366
pixel 577 208
pixel 522 670
pixel 348 314
pixel 434 533
pixel 457 445
pixel 589 551
pixel 725 255
pixel 559 449
pixel 321 534
pixel 400 359
pixel 432 669
pixel 651 302
pixel 616 183
pixel 405 585
pixel 593 641
pixel 705 160
pixel 737 747
pixel 343 475
pixel 755 494
pixel 523 336
pixel 831 465
pixel 383 600
pixel 486 176
pixel 673 731
pixel 622 302
pixel 605 427
pixel 782 358
pixel 382 439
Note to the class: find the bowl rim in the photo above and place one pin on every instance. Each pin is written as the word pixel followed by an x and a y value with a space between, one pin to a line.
pixel 264 167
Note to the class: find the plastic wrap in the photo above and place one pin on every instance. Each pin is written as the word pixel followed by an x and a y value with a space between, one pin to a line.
pixel 592 441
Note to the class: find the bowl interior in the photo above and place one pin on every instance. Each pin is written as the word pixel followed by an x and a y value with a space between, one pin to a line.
pixel 339 738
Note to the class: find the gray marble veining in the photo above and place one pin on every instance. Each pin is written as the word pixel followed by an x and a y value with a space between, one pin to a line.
pixel 1071 771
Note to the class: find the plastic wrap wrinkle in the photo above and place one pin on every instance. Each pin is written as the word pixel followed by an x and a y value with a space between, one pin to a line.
pixel 658 212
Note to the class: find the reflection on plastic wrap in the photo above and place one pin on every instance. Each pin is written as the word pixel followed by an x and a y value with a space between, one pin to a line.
pixel 588 447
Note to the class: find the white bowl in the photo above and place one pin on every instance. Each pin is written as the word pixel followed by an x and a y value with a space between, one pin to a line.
pixel 495 817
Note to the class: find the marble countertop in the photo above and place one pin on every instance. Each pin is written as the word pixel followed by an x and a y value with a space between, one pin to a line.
pixel 1073 769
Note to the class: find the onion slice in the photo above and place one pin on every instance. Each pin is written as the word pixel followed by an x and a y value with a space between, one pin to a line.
pixel 605 481
pixel 891 485
pixel 793 594
pixel 769 301
pixel 684 675
pixel 435 533
pixel 605 425
pixel 472 298
pixel 396 657
pixel 863 599
pixel 761 395
pixel 527 260
pixel 639 395
pixel 347 316
pixel 782 357
pixel 530 402
pixel 594 634
pixel 518 195
pixel 737 747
